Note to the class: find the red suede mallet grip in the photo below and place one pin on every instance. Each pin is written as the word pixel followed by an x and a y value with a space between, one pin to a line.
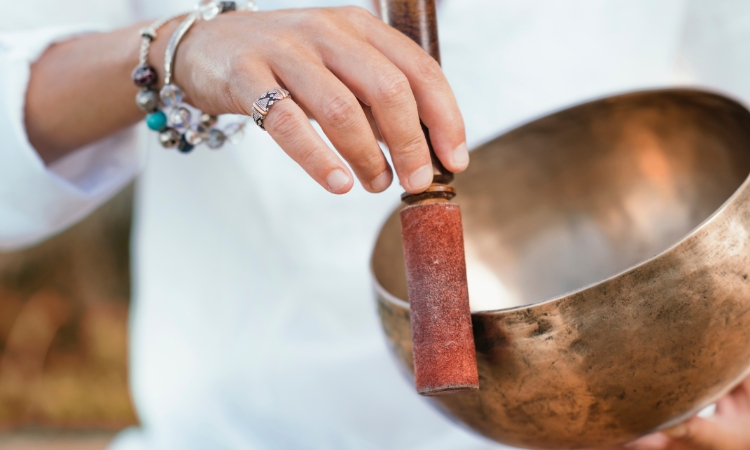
pixel 444 354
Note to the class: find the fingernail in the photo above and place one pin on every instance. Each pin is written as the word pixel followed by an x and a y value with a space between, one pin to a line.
pixel 421 178
pixel 461 156
pixel 382 181
pixel 336 180
pixel 676 432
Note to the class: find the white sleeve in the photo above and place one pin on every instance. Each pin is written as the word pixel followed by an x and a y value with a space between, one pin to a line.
pixel 37 201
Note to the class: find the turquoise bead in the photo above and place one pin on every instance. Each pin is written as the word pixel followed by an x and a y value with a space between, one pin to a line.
pixel 156 121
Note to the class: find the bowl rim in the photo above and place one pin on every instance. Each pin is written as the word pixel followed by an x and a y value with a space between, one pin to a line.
pixel 384 294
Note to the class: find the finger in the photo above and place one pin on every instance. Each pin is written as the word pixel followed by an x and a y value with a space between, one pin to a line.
pixel 382 86
pixel 291 129
pixel 702 434
pixel 340 116
pixel 437 104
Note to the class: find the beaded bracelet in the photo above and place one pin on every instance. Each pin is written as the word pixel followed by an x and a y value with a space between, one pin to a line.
pixel 166 112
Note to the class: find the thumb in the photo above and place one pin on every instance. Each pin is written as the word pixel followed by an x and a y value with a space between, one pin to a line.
pixel 702 434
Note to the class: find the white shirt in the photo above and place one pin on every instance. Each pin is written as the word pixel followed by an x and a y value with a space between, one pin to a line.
pixel 253 323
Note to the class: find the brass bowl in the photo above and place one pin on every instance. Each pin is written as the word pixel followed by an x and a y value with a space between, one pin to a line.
pixel 608 255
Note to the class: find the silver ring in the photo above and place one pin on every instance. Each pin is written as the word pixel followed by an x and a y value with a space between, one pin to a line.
pixel 264 103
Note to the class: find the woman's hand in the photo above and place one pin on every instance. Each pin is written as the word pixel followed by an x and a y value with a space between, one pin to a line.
pixel 357 77
pixel 727 429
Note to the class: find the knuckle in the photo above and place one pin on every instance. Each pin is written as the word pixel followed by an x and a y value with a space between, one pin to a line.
pixel 370 164
pixel 356 13
pixel 308 158
pixel 309 20
pixel 393 89
pixel 414 148
pixel 355 10
pixel 341 111
pixel 429 70
pixel 281 120
pixel 322 18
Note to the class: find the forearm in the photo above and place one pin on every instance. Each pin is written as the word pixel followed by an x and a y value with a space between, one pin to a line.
pixel 81 91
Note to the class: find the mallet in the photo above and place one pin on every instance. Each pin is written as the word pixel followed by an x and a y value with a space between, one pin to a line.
pixel 444 353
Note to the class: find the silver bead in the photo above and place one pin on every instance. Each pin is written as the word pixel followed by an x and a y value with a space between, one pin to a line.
pixel 169 138
pixel 171 95
pixel 180 118
pixel 235 132
pixel 147 100
pixel 195 135
pixel 215 139
pixel 209 10
pixel 207 120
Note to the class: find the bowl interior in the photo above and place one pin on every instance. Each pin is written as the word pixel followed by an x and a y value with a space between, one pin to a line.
pixel 583 194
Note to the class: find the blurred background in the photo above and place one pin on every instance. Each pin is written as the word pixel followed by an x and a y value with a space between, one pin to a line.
pixel 63 335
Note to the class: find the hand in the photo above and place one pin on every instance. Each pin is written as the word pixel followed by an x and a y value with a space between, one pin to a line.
pixel 728 429
pixel 357 77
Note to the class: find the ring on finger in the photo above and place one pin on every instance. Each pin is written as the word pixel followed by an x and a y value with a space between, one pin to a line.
pixel 264 103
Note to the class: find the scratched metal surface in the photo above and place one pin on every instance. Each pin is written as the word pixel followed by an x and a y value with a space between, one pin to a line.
pixel 608 258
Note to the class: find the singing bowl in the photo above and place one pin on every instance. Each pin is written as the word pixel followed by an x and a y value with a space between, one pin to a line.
pixel 608 255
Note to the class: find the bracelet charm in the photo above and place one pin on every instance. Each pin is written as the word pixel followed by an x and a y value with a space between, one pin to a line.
pixel 147 100
pixel 144 76
pixel 157 120
pixel 171 95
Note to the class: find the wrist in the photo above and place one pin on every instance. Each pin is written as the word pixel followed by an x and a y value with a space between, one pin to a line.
pixel 189 65
pixel 203 65
pixel 163 96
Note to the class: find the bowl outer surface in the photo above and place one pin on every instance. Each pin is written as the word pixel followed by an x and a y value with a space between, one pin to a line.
pixel 629 354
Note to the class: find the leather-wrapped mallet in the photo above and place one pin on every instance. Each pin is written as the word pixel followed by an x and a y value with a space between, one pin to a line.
pixel 444 354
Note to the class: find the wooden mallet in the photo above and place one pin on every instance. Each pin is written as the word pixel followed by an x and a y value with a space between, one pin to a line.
pixel 444 354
